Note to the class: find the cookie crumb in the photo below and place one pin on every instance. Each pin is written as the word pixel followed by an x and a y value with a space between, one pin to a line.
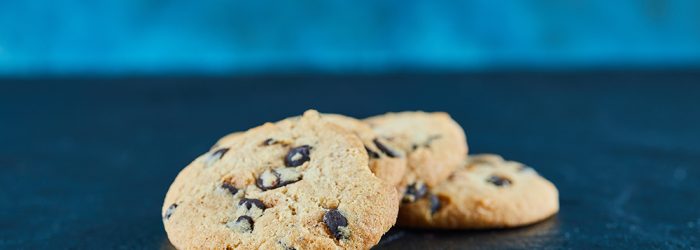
pixel 499 181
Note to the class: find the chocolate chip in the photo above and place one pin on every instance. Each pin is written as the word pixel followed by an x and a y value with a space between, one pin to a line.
pixel 434 204
pixel 269 142
pixel 372 154
pixel 249 203
pixel 427 142
pixel 226 185
pixel 169 212
pixel 414 192
pixel 336 223
pixel 217 155
pixel 244 224
pixel 499 180
pixel 384 148
pixel 284 245
pixel 297 156
pixel 220 153
pixel 272 179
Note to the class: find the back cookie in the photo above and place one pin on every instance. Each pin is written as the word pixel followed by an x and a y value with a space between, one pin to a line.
pixel 485 192
pixel 434 145
pixel 385 160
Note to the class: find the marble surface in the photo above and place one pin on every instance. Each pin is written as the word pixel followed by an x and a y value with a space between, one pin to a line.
pixel 85 163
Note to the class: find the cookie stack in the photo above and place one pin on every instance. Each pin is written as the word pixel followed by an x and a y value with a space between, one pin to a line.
pixel 327 181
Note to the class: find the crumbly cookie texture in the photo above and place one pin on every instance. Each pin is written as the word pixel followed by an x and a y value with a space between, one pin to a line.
pixel 386 160
pixel 485 192
pixel 300 183
pixel 434 145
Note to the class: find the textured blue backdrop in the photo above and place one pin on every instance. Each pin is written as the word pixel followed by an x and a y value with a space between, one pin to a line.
pixel 221 36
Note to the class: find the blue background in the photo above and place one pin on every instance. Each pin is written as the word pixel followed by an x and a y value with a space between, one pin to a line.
pixel 45 37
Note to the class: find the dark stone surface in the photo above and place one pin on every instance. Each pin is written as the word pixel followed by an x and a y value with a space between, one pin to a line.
pixel 85 163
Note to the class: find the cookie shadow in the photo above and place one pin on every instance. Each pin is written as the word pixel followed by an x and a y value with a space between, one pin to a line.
pixel 536 236
pixel 544 234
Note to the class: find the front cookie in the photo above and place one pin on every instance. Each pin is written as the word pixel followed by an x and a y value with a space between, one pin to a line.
pixel 296 184
pixel 386 161
pixel 485 192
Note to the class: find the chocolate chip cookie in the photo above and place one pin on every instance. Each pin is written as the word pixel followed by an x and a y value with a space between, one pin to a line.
pixel 434 145
pixel 485 192
pixel 385 159
pixel 300 183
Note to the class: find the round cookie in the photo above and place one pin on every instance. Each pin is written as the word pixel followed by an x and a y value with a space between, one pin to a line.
pixel 385 160
pixel 434 145
pixel 296 184
pixel 485 192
